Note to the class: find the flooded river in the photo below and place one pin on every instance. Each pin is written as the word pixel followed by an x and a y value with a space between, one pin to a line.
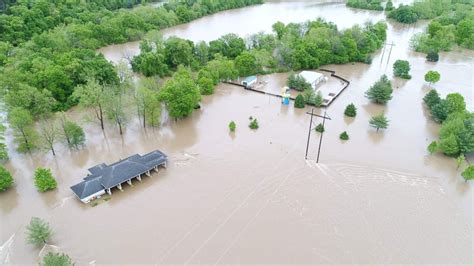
pixel 250 197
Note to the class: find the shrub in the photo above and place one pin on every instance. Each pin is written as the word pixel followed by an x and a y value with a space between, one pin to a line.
pixel 232 126
pixel 253 124
pixel 319 128
pixel 318 100
pixel 468 174
pixel 57 259
pixel 432 77
pixel 38 232
pixel 401 68
pixel 433 147
pixel 431 98
pixel 299 101
pixel 432 56
pixel 351 110
pixel 6 179
pixel 298 83
pixel 206 86
pixel 344 136
pixel 44 180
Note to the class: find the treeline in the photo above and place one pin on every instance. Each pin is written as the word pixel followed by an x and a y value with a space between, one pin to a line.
pixel 365 4
pixel 291 47
pixel 453 23
pixel 25 19
pixel 456 135
pixel 55 62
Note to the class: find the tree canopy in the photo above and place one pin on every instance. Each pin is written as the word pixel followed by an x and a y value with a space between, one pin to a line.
pixel 381 91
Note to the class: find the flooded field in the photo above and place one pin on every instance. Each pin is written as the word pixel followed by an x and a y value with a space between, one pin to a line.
pixel 250 197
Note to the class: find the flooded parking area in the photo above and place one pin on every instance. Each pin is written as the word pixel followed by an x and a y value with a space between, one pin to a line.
pixel 249 197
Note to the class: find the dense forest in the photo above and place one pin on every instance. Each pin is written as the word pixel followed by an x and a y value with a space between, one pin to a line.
pixel 453 23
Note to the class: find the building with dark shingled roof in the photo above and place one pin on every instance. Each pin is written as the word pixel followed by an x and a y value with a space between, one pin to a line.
pixel 103 178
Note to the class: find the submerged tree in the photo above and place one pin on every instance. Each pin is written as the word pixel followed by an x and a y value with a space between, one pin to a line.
pixel 149 106
pixel 299 101
pixel 22 123
pixel 180 94
pixel 114 109
pixel 72 132
pixel 381 91
pixel 38 232
pixel 432 77
pixel 468 174
pixel 232 126
pixel 49 133
pixel 351 110
pixel 91 95
pixel 379 122
pixel 44 180
pixel 6 179
pixel 401 68
pixel 344 136
pixel 57 259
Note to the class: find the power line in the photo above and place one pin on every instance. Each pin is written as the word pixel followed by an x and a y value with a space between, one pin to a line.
pixel 324 117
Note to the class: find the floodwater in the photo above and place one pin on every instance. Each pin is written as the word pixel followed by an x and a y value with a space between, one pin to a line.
pixel 250 197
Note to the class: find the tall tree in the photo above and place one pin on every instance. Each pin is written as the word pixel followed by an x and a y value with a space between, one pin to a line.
pixel 50 133
pixel 22 123
pixel 91 95
pixel 114 108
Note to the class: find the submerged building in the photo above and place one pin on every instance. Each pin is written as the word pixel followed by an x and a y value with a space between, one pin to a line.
pixel 312 77
pixel 103 178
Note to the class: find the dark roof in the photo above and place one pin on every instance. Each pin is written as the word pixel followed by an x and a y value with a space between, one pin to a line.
pixel 107 176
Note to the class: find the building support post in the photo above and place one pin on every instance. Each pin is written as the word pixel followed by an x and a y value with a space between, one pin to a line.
pixel 129 182
pixel 119 186
pixel 109 191
pixel 139 178
pixel 148 173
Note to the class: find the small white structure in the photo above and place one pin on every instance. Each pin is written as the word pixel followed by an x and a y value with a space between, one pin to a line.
pixel 248 82
pixel 313 78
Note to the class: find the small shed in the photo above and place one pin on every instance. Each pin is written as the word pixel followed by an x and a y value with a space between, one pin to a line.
pixel 248 82
pixel 312 77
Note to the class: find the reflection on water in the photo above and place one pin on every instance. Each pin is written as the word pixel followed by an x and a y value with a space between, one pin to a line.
pixel 249 197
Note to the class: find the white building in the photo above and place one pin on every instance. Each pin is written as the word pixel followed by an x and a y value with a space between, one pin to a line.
pixel 313 78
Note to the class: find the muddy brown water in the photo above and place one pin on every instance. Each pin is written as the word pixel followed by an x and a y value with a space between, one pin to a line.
pixel 250 197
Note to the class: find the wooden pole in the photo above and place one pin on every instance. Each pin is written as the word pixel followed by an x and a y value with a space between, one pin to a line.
pixel 309 133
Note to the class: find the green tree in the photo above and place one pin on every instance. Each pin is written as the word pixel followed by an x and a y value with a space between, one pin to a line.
pixel 432 98
pixel 49 133
pixel 91 95
pixel 44 180
pixel 432 77
pixel 460 160
pixel 379 122
pixel 401 68
pixel 221 69
pixel 229 45
pixel 149 105
pixel 468 173
pixel 57 259
pixel 432 56
pixel 433 147
pixel 449 145
pixel 232 126
pixel 389 5
pixel 318 100
pixel 180 94
pixel 206 86
pixel 253 124
pixel 455 103
pixel 178 52
pixel 320 128
pixel 298 83
pixel 114 108
pixel 22 124
pixel 3 146
pixel 381 91
pixel 201 51
pixel 299 101
pixel 38 232
pixel 246 64
pixel 344 136
pixel 351 110
pixel 6 179
pixel 72 132
pixel 279 29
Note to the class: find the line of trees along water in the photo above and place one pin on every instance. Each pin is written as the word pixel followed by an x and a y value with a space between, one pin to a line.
pixel 453 23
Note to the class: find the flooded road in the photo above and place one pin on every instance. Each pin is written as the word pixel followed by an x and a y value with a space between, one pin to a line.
pixel 250 197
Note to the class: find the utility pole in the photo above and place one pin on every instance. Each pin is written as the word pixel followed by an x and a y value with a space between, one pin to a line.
pixel 390 52
pixel 311 128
